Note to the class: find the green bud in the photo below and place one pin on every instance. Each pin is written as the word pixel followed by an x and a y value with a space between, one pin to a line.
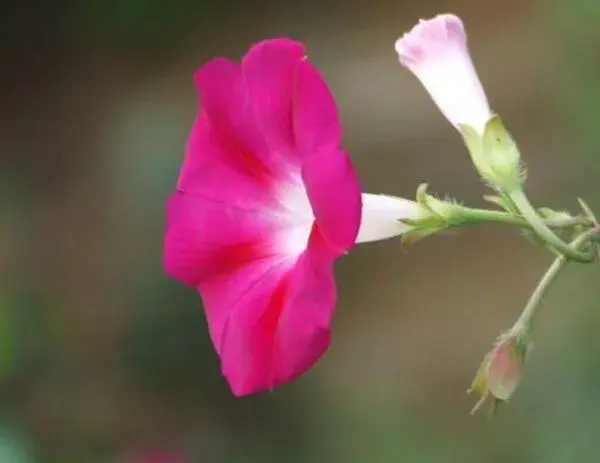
pixel 495 155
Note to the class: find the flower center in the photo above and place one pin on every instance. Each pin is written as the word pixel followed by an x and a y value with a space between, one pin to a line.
pixel 296 218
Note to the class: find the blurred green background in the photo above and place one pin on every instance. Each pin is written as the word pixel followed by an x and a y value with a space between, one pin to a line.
pixel 102 356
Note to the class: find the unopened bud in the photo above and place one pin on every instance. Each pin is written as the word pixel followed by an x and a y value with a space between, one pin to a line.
pixel 500 372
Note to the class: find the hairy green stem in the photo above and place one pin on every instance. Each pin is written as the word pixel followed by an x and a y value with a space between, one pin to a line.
pixel 523 325
pixel 530 214
pixel 472 216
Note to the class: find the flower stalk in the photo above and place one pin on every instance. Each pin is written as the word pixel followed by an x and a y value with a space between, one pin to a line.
pixel 436 215
pixel 502 368
pixel 523 325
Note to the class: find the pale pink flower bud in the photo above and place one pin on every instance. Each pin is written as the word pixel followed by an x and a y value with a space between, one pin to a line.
pixel 500 372
pixel 436 52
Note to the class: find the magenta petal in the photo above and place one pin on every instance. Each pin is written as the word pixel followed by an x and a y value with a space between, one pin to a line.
pixel 224 99
pixel 269 70
pixel 209 165
pixel 334 192
pixel 221 88
pixel 205 238
pixel 304 329
pixel 278 317
pixel 316 121
pixel 200 145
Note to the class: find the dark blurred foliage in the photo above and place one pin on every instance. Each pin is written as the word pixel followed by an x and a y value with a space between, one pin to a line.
pixel 100 353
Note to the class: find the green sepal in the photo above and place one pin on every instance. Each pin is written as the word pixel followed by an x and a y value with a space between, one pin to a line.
pixel 495 155
pixel 532 237
pixel 474 143
pixel 587 210
pixel 422 228
pixel 501 201
pixel 551 214
pixel 502 155
pixel 423 198
pixel 413 236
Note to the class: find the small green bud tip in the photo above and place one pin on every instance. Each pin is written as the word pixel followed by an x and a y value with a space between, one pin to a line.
pixel 499 373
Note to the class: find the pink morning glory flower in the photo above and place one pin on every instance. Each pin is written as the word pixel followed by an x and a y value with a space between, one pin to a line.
pixel 436 52
pixel 266 202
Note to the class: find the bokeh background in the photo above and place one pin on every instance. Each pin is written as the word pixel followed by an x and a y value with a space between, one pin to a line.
pixel 103 358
